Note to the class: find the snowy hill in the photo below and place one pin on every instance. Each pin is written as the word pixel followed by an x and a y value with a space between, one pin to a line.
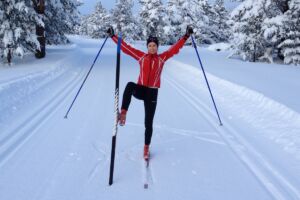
pixel 43 156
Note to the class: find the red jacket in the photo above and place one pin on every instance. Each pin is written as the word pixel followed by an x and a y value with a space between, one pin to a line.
pixel 151 65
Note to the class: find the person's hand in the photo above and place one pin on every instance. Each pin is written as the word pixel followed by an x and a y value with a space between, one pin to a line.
pixel 110 32
pixel 189 31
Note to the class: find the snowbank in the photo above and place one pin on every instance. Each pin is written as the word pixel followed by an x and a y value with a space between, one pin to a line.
pixel 272 119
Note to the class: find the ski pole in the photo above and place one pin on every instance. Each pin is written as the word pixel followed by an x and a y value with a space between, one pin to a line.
pixel 66 116
pixel 195 46
pixel 115 128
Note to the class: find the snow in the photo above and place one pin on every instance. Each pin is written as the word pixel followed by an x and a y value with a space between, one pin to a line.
pixel 255 155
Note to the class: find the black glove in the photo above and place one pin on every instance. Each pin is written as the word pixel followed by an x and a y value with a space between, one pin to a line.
pixel 189 31
pixel 110 32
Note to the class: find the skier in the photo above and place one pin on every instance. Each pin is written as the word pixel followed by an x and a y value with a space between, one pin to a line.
pixel 146 89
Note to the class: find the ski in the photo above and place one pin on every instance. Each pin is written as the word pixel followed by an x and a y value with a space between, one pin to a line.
pixel 115 129
pixel 147 174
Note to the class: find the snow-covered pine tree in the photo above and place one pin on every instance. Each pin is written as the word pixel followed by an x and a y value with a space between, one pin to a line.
pixel 281 29
pixel 74 15
pixel 81 28
pixel 178 16
pixel 267 28
pixel 247 21
pixel 272 28
pixel 138 28
pixel 221 17
pixel 97 23
pixel 203 15
pixel 198 13
pixel 61 16
pixel 172 20
pixel 290 46
pixel 17 30
pixel 151 18
pixel 123 20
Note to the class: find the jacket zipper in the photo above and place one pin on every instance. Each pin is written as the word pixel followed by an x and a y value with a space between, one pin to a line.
pixel 151 59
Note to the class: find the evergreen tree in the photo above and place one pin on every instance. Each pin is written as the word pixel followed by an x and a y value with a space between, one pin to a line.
pixel 17 30
pixel 138 28
pixel 123 20
pixel 267 28
pixel 178 18
pixel 81 28
pixel 272 28
pixel 151 17
pixel 61 16
pixel 290 46
pixel 221 18
pixel 281 29
pixel 202 14
pixel 173 20
pixel 206 20
pixel 247 21
pixel 96 24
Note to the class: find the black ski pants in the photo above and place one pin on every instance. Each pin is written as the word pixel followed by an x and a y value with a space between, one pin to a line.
pixel 149 96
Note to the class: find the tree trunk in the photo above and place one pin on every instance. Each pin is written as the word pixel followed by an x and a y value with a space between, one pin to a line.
pixel 254 53
pixel 283 5
pixel 40 30
pixel 9 57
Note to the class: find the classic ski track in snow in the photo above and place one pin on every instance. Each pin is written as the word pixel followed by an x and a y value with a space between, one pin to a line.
pixel 13 93
pixel 31 75
pixel 26 129
pixel 56 68
pixel 255 107
pixel 184 132
pixel 277 185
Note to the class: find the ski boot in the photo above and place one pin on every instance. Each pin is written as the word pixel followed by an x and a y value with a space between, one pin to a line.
pixel 146 152
pixel 122 117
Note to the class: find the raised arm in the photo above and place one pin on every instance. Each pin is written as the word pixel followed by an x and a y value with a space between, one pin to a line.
pixel 174 49
pixel 129 50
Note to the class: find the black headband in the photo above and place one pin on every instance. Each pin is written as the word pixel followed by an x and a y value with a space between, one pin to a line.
pixel 152 39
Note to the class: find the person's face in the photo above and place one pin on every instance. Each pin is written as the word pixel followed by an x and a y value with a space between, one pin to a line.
pixel 152 48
